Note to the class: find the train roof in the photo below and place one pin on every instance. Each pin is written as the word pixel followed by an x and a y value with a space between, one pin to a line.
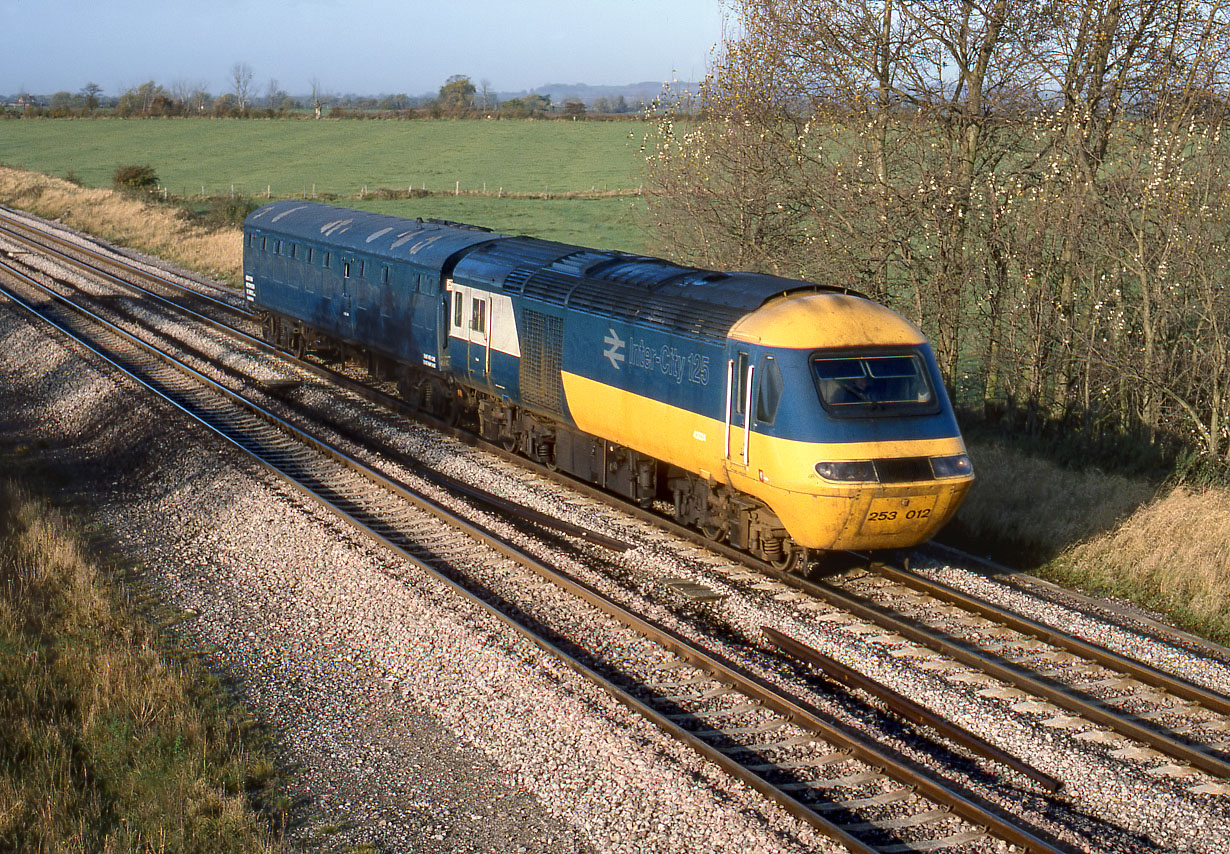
pixel 426 242
pixel 635 288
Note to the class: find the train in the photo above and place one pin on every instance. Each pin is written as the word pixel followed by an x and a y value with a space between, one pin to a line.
pixel 783 417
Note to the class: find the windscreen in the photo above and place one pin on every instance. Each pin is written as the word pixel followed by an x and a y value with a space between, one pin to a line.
pixel 873 384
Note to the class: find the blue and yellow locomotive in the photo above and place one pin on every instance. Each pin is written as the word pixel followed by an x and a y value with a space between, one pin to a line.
pixel 775 414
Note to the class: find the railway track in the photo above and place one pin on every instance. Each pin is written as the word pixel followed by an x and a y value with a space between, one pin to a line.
pixel 1067 683
pixel 93 258
pixel 874 607
pixel 819 771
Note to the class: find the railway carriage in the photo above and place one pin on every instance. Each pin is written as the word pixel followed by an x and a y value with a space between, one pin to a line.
pixel 779 415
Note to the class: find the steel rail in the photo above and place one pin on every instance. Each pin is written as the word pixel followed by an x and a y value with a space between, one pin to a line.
pixel 904 706
pixel 797 710
pixel 1093 710
pixel 1057 637
pixel 1035 586
pixel 90 269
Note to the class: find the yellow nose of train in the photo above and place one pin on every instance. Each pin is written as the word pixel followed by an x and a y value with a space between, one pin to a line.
pixel 867 454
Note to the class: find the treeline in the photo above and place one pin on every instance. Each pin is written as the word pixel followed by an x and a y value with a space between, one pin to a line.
pixel 457 98
pixel 1044 188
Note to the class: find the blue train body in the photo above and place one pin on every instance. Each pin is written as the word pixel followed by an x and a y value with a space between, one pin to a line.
pixel 778 414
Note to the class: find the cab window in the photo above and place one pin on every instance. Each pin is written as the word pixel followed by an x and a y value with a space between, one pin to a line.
pixel 873 384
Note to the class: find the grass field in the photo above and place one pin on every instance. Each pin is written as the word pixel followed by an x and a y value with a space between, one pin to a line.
pixel 610 223
pixel 351 158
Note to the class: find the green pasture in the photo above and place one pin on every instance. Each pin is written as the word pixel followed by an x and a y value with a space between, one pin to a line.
pixel 349 159
pixel 609 223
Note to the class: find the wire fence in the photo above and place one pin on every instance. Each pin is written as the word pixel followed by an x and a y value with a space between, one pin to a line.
pixel 327 192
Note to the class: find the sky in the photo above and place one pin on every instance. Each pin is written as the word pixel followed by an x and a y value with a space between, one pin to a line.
pixel 363 47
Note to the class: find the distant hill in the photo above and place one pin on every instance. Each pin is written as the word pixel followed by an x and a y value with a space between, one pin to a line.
pixel 632 92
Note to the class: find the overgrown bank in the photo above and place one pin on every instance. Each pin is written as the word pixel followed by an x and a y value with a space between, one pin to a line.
pixel 1172 555
pixel 109 743
pixel 126 221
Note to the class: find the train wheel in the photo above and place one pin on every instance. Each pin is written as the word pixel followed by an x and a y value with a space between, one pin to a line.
pixel 443 403
pixel 269 329
pixel 713 533
pixel 794 558
pixel 411 391
pixel 298 345
pixel 450 412
pixel 546 456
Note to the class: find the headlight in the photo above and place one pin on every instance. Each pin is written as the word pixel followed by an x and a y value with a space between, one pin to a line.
pixel 848 471
pixel 957 465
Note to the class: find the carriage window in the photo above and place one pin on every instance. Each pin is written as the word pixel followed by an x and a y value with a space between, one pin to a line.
pixel 362 269
pixel 277 248
pixel 310 254
pixel 874 384
pixel 458 309
pixel 770 395
pixel 328 259
pixel 251 240
pixel 345 269
pixel 384 276
pixel 478 317
pixel 264 243
pixel 294 250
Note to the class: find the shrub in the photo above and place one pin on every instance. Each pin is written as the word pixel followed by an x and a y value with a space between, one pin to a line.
pixel 135 177
pixel 230 211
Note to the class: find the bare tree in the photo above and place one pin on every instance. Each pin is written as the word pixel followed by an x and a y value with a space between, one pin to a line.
pixel 193 94
pixel 487 100
pixel 317 98
pixel 241 79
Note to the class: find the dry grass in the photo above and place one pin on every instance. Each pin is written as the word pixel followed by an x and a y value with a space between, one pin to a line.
pixel 1027 510
pixel 1106 533
pixel 128 221
pixel 1172 555
pixel 105 743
